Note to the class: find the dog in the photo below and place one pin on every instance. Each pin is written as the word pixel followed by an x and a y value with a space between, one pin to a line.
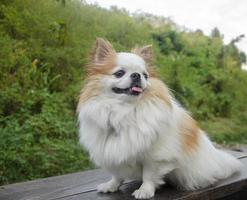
pixel 132 126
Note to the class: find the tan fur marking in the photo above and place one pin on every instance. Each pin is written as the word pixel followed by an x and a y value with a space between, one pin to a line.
pixel 90 89
pixel 152 72
pixel 157 89
pixel 106 68
pixel 101 62
pixel 190 134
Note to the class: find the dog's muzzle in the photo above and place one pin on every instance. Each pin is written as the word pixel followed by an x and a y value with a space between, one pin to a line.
pixel 135 89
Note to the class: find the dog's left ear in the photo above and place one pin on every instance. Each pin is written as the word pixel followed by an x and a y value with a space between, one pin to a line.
pixel 146 52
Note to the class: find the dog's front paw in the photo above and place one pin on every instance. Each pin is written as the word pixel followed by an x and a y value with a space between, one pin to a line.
pixel 108 187
pixel 143 193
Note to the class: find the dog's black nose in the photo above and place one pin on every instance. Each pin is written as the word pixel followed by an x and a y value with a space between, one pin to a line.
pixel 135 76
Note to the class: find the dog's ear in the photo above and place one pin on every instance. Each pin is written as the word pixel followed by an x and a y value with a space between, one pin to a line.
pixel 146 52
pixel 102 50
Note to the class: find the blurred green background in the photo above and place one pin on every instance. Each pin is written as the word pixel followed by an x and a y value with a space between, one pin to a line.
pixel 43 48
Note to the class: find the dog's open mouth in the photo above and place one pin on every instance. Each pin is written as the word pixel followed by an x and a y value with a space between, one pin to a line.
pixel 132 90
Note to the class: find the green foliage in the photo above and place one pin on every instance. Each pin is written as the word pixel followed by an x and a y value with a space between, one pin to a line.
pixel 169 41
pixel 44 45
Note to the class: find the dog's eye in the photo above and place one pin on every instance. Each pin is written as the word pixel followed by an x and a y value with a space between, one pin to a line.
pixel 145 75
pixel 119 73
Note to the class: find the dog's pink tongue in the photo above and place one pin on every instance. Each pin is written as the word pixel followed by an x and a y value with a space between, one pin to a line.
pixel 136 89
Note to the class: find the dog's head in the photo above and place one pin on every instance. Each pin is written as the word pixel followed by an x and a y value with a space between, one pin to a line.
pixel 120 75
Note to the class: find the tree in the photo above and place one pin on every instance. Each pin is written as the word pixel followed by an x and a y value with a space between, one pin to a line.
pixel 215 33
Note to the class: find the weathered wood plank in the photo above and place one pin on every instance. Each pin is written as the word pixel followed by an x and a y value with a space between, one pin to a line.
pixel 54 186
pixel 82 186
pixel 242 195
pixel 224 188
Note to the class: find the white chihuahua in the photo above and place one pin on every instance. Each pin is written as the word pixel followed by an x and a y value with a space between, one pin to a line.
pixel 133 127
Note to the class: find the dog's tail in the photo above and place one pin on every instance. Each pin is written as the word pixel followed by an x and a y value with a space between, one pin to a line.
pixel 206 166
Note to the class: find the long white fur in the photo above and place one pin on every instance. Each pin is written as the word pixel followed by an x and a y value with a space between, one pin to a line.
pixel 134 138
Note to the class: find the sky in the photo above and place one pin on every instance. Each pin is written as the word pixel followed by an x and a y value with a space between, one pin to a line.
pixel 230 16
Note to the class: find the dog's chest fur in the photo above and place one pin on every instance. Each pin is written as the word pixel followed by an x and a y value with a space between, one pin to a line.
pixel 115 132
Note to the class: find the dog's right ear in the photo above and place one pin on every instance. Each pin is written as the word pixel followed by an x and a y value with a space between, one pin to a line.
pixel 102 51
pixel 146 52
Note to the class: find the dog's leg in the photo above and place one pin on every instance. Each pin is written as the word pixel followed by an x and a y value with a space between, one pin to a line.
pixel 151 178
pixel 110 186
pixel 146 190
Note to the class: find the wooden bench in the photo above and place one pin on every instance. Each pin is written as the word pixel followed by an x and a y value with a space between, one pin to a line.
pixel 80 186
